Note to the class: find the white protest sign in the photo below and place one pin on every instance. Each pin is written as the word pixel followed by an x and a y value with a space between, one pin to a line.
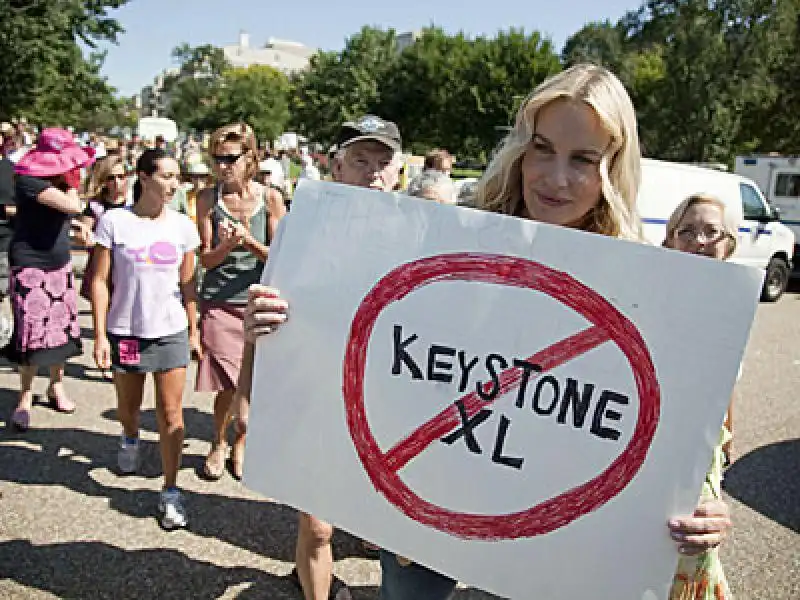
pixel 519 406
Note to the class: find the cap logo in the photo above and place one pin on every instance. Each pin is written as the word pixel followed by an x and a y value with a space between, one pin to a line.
pixel 370 124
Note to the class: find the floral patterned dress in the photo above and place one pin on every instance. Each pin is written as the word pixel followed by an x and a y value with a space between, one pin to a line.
pixel 701 577
pixel 41 282
pixel 46 330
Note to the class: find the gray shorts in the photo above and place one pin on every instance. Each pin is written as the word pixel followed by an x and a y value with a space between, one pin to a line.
pixel 130 354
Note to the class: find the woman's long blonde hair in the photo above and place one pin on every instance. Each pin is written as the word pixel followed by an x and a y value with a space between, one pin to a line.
pixel 238 133
pixel 97 188
pixel 500 188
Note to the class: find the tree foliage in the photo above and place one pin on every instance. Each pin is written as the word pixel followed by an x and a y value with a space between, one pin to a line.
pixel 339 86
pixel 709 79
pixel 257 95
pixel 43 74
pixel 442 90
pixel 208 92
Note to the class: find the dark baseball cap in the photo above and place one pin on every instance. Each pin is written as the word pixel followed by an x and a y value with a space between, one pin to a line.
pixel 370 127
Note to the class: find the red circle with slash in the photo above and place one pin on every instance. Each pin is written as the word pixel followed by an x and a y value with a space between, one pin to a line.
pixel 608 324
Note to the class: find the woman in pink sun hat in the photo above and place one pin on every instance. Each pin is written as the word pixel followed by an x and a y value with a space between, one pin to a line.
pixel 41 284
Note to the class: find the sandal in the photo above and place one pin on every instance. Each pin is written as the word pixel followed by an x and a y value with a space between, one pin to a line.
pixel 214 467
pixel 21 419
pixel 60 402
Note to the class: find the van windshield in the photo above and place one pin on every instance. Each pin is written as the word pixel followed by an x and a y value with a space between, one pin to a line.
pixel 752 205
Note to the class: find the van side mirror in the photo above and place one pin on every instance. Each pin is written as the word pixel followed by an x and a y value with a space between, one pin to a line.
pixel 768 217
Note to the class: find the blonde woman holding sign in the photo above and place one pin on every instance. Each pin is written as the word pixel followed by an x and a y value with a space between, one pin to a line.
pixel 572 159
pixel 704 226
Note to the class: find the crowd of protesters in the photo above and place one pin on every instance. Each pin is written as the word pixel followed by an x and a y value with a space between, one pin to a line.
pixel 149 215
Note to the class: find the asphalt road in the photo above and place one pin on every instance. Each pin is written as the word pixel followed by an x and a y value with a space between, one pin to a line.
pixel 70 527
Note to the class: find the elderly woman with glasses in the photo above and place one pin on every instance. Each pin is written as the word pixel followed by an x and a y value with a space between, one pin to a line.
pixel 236 218
pixel 704 225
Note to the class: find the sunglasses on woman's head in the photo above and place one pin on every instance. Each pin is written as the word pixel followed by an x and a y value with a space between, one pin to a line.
pixel 226 159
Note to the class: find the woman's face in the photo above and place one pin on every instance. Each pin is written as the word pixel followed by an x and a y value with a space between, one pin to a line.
pixel 116 183
pixel 561 166
pixel 165 181
pixel 229 162
pixel 702 231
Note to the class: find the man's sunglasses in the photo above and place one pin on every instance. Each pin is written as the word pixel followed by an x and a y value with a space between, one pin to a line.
pixel 226 159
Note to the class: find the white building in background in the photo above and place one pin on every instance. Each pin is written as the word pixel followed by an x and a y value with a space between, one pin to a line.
pixel 404 40
pixel 285 56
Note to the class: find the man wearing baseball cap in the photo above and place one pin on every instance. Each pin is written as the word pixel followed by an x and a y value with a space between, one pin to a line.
pixel 367 156
pixel 367 153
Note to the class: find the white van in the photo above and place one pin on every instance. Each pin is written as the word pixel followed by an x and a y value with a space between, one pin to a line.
pixel 762 240
pixel 778 177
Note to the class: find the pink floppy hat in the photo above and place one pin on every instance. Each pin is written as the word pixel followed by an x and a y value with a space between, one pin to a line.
pixel 56 153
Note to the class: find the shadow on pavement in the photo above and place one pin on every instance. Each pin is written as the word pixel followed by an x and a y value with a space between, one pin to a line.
pixel 198 424
pixel 72 370
pixel 766 481
pixel 63 570
pixel 262 527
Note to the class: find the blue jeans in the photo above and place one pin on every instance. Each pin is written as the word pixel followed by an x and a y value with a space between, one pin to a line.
pixel 413 582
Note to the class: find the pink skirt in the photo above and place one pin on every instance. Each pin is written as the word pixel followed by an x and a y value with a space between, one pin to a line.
pixel 222 337
pixel 46 330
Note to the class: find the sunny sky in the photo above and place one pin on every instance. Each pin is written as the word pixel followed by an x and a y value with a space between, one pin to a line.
pixel 154 27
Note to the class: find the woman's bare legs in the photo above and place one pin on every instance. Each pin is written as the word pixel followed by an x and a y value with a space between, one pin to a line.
pixel 130 394
pixel 169 410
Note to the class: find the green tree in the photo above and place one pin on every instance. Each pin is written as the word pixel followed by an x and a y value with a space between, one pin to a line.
pixel 426 88
pixel 43 74
pixel 644 74
pixel 121 113
pixel 772 125
pixel 597 43
pixel 204 61
pixel 194 92
pixel 708 62
pixel 257 95
pixel 503 71
pixel 339 86
pixel 456 92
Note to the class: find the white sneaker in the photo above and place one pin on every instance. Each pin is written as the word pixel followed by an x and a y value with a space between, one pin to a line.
pixel 173 514
pixel 128 456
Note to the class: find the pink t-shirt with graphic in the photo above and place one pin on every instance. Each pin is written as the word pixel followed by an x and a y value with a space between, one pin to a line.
pixel 146 256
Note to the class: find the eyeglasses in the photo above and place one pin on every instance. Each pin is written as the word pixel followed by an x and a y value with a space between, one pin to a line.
pixel 368 164
pixel 226 159
pixel 116 176
pixel 708 234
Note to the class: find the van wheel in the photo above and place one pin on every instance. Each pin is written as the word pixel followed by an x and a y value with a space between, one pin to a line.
pixel 776 280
